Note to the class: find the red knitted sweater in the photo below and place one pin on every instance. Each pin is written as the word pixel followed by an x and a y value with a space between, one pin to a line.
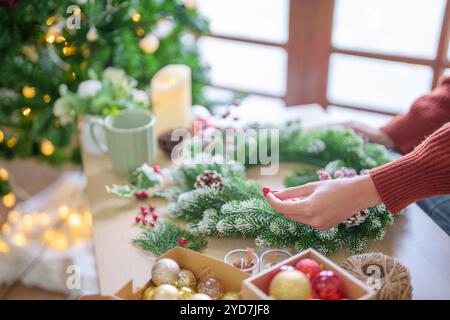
pixel 425 171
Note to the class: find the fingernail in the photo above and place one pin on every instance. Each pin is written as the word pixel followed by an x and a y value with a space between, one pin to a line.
pixel 266 190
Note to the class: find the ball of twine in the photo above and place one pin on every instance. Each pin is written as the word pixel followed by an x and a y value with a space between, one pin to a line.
pixel 394 279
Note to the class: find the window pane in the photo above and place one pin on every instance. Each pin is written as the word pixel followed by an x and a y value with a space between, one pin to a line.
pixel 400 27
pixel 382 85
pixel 243 66
pixel 255 19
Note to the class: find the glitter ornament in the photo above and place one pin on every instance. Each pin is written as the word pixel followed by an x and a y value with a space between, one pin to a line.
pixel 231 295
pixel 166 292
pixel 165 271
pixel 357 218
pixel 327 285
pixel 309 267
pixel 290 285
pixel 200 296
pixel 212 287
pixel 186 279
pixel 148 293
pixel 209 178
pixel 185 293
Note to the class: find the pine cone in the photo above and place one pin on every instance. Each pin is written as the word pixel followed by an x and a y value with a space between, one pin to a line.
pixel 357 218
pixel 209 178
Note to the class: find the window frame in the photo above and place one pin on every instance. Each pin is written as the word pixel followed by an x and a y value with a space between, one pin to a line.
pixel 309 48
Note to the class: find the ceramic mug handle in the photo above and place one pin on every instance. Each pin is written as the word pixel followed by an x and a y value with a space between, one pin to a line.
pixel 96 122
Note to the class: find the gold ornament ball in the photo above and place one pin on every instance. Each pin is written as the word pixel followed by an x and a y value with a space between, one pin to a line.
pixel 148 293
pixel 165 271
pixel 166 292
pixel 149 43
pixel 212 287
pixel 200 296
pixel 185 293
pixel 290 285
pixel 231 295
pixel 186 279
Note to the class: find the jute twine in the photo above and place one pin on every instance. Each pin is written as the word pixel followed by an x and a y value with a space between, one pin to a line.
pixel 394 279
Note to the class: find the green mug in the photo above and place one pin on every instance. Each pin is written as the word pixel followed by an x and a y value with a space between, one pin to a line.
pixel 130 139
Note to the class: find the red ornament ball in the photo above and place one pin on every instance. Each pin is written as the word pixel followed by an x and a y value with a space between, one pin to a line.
pixel 309 267
pixel 182 241
pixel 266 190
pixel 327 285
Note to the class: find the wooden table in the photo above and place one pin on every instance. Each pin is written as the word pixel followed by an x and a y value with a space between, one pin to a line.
pixel 414 238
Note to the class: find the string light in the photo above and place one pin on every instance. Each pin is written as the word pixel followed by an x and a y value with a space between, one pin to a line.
pixel 47 98
pixel 56 240
pixel 69 50
pixel 2 136
pixel 12 216
pixel 135 16
pixel 3 174
pixel 29 92
pixel 26 111
pixel 74 219
pixel 6 228
pixel 11 143
pixel 9 200
pixel 4 247
pixel 63 212
pixel 74 76
pixel 50 38
pixel 47 148
pixel 140 32
pixel 60 39
pixel 50 20
pixel 19 239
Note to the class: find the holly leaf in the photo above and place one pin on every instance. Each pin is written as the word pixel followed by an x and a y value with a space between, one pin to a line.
pixel 144 177
pixel 121 190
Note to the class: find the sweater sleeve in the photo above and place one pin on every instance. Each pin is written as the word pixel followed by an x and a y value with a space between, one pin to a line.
pixel 423 173
pixel 427 114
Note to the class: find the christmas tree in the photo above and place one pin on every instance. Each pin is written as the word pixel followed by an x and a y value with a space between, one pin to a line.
pixel 44 44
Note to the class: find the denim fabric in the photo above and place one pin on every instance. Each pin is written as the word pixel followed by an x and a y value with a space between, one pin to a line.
pixel 438 208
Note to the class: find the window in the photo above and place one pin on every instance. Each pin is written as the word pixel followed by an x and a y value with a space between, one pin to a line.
pixel 377 55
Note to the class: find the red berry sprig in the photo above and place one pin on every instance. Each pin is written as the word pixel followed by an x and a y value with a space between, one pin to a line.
pixel 143 214
pixel 266 190
pixel 182 241
pixel 157 168
pixel 141 195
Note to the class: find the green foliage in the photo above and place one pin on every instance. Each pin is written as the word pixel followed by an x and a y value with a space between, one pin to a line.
pixel 240 210
pixel 165 236
pixel 26 59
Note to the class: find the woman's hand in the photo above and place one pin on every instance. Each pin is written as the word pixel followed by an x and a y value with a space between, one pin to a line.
pixel 325 204
pixel 372 134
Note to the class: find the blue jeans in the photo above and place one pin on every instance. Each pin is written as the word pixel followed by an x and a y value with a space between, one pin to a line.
pixel 438 208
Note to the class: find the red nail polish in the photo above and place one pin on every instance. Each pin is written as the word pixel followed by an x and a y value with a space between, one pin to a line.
pixel 265 190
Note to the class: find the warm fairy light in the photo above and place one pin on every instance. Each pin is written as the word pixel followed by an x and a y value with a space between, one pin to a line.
pixel 74 76
pixel 19 239
pixel 47 148
pixel 9 200
pixel 136 17
pixel 60 39
pixel 26 111
pixel 56 240
pixel 6 228
pixel 74 219
pixel 29 92
pixel 63 212
pixel 47 98
pixel 3 174
pixel 4 247
pixel 27 222
pixel 11 143
pixel 50 38
pixel 2 136
pixel 140 32
pixel 44 219
pixel 88 218
pixel 12 216
pixel 50 20
pixel 69 50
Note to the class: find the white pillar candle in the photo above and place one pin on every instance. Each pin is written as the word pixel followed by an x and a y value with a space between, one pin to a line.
pixel 172 97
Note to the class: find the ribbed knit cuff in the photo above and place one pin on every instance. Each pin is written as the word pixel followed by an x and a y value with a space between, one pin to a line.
pixel 420 174
pixel 399 130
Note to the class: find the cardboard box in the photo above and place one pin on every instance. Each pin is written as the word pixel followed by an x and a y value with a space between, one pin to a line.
pixel 201 265
pixel 257 286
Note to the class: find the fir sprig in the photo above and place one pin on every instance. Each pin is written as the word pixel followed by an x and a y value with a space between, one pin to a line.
pixel 166 235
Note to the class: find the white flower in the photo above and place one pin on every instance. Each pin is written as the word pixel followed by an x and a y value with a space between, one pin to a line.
pixel 140 96
pixel 62 111
pixel 118 78
pixel 88 88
